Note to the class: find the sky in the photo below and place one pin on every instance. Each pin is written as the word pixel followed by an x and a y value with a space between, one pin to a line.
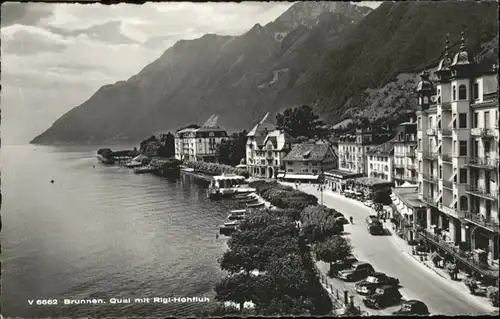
pixel 56 55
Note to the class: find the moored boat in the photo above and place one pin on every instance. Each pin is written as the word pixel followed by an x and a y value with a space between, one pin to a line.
pixel 238 211
pixel 236 217
pixel 225 185
pixel 255 205
pixel 143 170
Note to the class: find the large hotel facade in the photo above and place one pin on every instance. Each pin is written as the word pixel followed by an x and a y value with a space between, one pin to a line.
pixel 457 154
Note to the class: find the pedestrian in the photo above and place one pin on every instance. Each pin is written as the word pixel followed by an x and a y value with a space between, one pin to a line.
pixel 216 236
pixel 351 220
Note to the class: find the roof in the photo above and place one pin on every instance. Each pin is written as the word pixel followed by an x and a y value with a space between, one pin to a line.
pixel 342 174
pixel 307 152
pixel 386 148
pixel 371 181
pixel 409 196
pixel 297 176
pixel 262 125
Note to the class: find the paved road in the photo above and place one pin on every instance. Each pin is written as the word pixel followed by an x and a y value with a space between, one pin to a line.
pixel 418 282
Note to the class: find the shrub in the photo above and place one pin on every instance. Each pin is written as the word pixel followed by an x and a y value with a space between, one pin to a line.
pixel 492 294
pixel 215 168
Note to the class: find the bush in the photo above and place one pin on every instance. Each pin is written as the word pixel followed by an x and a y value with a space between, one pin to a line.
pixel 215 168
pixel 492 294
pixel 283 196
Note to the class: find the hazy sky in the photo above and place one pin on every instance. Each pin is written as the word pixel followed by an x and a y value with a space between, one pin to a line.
pixel 55 56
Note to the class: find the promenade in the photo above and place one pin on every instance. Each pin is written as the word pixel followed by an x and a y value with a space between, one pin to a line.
pixel 390 256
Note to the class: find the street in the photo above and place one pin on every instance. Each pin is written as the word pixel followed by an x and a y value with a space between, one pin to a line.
pixel 417 281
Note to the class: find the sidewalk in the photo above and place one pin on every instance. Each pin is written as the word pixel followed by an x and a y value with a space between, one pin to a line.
pixel 456 284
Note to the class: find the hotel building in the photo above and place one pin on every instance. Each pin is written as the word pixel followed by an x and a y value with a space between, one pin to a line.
pixel 404 158
pixel 307 161
pixel 457 155
pixel 199 144
pixel 265 149
pixel 380 161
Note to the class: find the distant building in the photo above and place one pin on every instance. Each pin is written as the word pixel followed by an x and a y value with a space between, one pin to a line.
pixel 380 159
pixel 265 149
pixel 353 149
pixel 404 162
pixel 309 161
pixel 199 144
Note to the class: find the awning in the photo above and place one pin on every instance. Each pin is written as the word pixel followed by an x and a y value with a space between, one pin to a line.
pixel 280 175
pixel 300 176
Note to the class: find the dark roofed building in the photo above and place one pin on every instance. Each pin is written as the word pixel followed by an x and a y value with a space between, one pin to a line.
pixel 309 159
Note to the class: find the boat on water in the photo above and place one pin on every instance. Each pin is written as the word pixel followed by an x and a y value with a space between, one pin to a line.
pixel 255 205
pixel 144 170
pixel 228 185
pixel 228 228
pixel 243 196
pixel 133 164
pixel 236 217
pixel 238 211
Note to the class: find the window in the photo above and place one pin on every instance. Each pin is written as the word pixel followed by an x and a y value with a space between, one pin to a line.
pixel 462 92
pixel 463 148
pixel 440 171
pixel 486 119
pixel 419 123
pixel 386 168
pixel 463 176
pixel 290 170
pixel 371 166
pixel 462 120
pixel 420 144
pixel 454 96
pixel 486 149
pixel 464 203
pixel 475 120
pixel 476 91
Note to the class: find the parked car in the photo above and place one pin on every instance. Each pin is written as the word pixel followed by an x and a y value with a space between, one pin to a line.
pixel 368 203
pixel 374 225
pixel 342 220
pixel 383 297
pixel 357 271
pixel 338 214
pixel 413 307
pixel 372 282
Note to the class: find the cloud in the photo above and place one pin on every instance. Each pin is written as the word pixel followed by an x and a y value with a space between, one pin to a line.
pixel 54 56
pixel 24 13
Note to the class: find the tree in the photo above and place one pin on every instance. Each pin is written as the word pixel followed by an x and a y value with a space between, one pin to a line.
pixel 167 146
pixel 238 288
pixel 334 249
pixel 232 150
pixel 301 122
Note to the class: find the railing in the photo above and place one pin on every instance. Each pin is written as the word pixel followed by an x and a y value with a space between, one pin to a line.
pixel 432 155
pixel 489 132
pixel 466 257
pixel 447 184
pixel 399 154
pixel 430 178
pixel 430 200
pixel 412 166
pixel 411 154
pixel 480 220
pixel 445 131
pixel 485 162
pixel 481 191
pixel 431 131
pixel 446 157
pixel 476 131
pixel 446 106
pixel 413 179
pixel 399 165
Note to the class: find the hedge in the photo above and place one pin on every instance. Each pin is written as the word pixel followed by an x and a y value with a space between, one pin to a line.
pixel 284 197
pixel 215 168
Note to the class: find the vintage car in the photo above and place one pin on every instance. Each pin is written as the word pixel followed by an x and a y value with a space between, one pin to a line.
pixel 357 271
pixel 374 281
pixel 342 219
pixel 374 225
pixel 383 297
pixel 413 307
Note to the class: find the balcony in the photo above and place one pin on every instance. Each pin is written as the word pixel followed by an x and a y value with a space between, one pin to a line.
pixel 411 179
pixel 483 162
pixel 431 131
pixel 446 158
pixel 399 154
pixel 269 155
pixel 399 165
pixel 430 200
pixel 430 178
pixel 481 192
pixel 446 106
pixel 448 184
pixel 431 156
pixel 466 257
pixel 398 176
pixel 412 167
pixel 410 154
pixel 480 220
pixel 445 131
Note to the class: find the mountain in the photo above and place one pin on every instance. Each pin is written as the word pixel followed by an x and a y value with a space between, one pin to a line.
pixel 327 54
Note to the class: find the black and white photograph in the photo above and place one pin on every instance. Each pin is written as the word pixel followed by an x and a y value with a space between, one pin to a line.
pixel 242 159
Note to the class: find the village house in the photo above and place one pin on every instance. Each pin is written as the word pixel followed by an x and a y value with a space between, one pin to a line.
pixel 307 161
pixel 265 149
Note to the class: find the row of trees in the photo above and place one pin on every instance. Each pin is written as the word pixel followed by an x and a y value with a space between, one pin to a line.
pixel 215 168
pixel 233 150
pixel 158 146
pixel 272 242
pixel 289 285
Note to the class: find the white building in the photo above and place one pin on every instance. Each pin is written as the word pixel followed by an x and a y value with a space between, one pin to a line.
pixel 265 149
pixel 380 160
pixel 199 144
pixel 404 159
pixel 458 155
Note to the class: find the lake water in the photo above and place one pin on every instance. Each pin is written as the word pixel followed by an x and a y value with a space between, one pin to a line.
pixel 103 232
